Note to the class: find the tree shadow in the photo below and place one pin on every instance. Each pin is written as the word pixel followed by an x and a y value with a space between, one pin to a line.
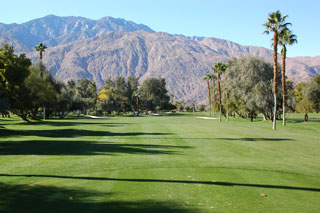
pixel 257 139
pixel 71 123
pixel 37 147
pixel 31 198
pixel 300 120
pixel 216 183
pixel 175 114
pixel 67 133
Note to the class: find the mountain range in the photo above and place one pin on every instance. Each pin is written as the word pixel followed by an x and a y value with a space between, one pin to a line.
pixel 96 49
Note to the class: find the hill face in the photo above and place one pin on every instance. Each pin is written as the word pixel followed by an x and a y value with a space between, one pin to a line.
pixel 54 30
pixel 84 48
pixel 302 68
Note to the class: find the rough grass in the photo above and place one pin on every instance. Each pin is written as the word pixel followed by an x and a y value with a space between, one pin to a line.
pixel 176 163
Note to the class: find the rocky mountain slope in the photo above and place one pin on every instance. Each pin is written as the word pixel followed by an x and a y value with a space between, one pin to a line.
pixel 55 30
pixel 84 48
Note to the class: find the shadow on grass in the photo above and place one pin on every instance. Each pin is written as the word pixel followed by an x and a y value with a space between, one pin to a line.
pixel 72 123
pixel 67 133
pixel 215 139
pixel 218 183
pixel 257 139
pixel 175 114
pixel 300 120
pixel 26 198
pixel 35 147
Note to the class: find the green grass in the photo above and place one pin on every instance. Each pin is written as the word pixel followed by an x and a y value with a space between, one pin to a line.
pixel 176 163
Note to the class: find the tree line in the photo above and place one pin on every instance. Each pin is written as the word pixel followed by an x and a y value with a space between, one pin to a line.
pixel 252 86
pixel 247 90
pixel 27 89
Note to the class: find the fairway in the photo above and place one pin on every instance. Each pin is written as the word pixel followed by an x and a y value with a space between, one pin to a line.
pixel 168 163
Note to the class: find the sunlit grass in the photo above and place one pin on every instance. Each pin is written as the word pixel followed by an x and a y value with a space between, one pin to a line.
pixel 171 163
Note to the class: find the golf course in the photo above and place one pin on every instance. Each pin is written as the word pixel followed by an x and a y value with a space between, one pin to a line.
pixel 167 163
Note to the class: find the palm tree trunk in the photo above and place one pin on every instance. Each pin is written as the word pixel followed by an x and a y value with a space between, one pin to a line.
pixel 44 113
pixel 137 99
pixel 213 95
pixel 209 97
pixel 284 85
pixel 275 67
pixel 227 108
pixel 219 91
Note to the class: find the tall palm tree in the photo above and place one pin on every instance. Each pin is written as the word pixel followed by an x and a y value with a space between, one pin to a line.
pixel 285 37
pixel 213 79
pixel 41 48
pixel 275 23
pixel 207 78
pixel 219 68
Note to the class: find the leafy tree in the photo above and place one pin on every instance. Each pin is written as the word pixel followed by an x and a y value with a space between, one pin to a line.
pixel 188 108
pixel 248 81
pixel 123 95
pixel 308 95
pixel 76 99
pixel 87 91
pixel 290 99
pixel 285 37
pixel 67 99
pixel 201 108
pixel 219 68
pixel 41 88
pixel 118 95
pixel 303 106
pixel 63 104
pixel 154 95
pixel 4 101
pixel 275 23
pixel 133 93
pixel 13 72
pixel 312 93
pixel 179 105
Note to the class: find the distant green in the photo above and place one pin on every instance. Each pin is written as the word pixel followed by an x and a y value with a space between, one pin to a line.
pixel 168 163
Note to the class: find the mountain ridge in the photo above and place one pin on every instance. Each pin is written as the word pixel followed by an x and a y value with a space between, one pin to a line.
pixel 54 30
pixel 108 47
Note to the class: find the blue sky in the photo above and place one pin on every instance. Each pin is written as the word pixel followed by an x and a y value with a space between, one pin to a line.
pixel 236 20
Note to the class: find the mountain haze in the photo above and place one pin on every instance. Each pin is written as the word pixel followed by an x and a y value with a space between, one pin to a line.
pixel 109 47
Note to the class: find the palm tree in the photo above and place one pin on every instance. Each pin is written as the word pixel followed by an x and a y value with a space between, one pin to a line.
pixel 137 94
pixel 219 68
pixel 285 37
pixel 213 78
pixel 275 23
pixel 41 48
pixel 207 78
